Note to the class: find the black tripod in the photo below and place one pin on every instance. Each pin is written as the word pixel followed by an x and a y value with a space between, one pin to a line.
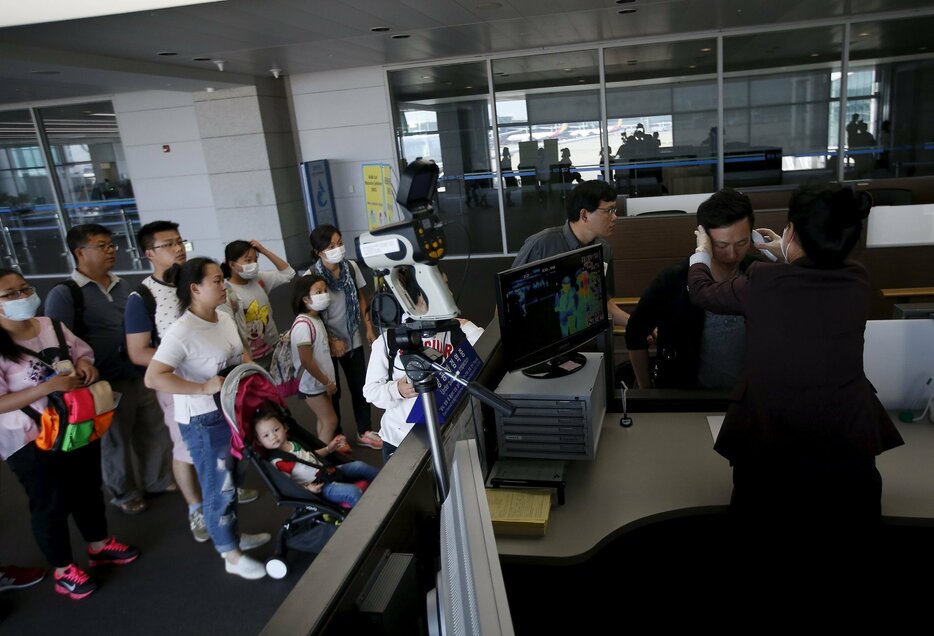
pixel 421 365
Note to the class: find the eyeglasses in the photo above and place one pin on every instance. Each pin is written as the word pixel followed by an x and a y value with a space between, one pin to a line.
pixel 614 210
pixel 15 294
pixel 104 247
pixel 176 243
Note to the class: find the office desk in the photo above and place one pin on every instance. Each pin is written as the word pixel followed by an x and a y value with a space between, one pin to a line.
pixel 665 467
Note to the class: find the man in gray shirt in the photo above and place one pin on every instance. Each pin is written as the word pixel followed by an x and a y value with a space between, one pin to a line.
pixel 591 210
pixel 135 452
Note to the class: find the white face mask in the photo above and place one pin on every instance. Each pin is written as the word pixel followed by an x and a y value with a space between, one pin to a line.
pixel 784 245
pixel 319 302
pixel 249 271
pixel 21 308
pixel 334 255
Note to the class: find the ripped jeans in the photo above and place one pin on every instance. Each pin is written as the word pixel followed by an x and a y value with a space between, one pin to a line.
pixel 208 439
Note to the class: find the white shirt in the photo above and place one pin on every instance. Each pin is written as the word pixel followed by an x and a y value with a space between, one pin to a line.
pixel 316 336
pixel 168 306
pixel 384 393
pixel 198 349
pixel 261 332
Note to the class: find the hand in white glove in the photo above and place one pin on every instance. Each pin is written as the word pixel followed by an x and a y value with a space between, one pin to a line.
pixel 703 241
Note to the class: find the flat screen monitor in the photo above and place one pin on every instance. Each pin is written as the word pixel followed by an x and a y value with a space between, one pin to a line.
pixel 549 308
pixel 470 597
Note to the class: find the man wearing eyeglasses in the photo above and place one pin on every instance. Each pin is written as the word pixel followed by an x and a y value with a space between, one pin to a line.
pixel 591 210
pixel 135 456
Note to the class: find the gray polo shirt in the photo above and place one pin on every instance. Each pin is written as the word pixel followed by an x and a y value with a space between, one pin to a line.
pixel 103 320
pixel 558 240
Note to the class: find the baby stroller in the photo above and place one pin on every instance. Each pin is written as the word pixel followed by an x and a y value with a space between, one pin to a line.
pixel 246 389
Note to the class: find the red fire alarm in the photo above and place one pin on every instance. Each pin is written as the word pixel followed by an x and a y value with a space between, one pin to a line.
pixel 166 148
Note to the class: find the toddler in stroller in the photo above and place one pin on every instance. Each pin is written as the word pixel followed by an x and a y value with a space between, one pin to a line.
pixel 248 389
pixel 310 468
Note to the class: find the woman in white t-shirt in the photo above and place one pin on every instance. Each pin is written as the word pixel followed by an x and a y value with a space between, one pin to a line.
pixel 201 343
pixel 251 287
pixel 348 323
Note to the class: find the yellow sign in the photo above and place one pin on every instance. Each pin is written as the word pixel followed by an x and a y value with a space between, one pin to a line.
pixel 379 194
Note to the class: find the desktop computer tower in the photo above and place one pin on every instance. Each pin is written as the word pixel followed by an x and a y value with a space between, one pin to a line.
pixel 555 418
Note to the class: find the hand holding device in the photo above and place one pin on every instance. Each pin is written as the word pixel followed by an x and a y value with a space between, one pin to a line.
pixel 770 244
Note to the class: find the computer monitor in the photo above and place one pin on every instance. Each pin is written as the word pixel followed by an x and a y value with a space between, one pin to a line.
pixel 549 308
pixel 470 597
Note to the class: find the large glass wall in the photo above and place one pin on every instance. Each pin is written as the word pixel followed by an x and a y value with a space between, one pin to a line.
pixel 890 90
pixel 777 102
pixel 32 237
pixel 443 113
pixel 89 180
pixel 661 107
pixel 654 126
pixel 548 135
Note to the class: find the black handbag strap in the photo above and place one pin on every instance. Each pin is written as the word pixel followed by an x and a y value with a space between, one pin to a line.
pixel 62 351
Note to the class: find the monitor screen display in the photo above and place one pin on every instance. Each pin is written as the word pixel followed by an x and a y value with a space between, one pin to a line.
pixel 551 307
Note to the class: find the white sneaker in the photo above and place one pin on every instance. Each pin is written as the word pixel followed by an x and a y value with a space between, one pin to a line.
pixel 250 541
pixel 246 495
pixel 246 567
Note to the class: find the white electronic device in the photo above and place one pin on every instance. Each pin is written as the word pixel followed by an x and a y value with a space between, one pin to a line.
pixel 758 238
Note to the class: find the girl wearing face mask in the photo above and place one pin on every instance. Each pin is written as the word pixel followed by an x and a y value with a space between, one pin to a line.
pixel 311 355
pixel 348 323
pixel 248 290
pixel 57 484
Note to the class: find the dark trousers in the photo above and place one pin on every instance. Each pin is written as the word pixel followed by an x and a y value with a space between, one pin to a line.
pixel 807 508
pixel 58 485
pixel 354 366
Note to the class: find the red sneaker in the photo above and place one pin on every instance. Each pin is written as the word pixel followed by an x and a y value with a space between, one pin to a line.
pixel 14 577
pixel 75 582
pixel 113 552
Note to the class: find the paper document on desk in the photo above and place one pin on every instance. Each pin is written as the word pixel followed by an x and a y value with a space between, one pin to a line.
pixel 519 512
pixel 715 422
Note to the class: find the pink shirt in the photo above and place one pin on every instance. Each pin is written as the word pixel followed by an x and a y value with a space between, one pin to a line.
pixel 16 428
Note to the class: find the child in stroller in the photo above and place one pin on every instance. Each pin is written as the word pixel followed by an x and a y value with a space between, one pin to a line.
pixel 309 468
pixel 247 389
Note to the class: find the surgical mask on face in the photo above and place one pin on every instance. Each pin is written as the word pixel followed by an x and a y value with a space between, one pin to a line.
pixel 334 255
pixel 319 302
pixel 21 308
pixel 249 271
pixel 784 245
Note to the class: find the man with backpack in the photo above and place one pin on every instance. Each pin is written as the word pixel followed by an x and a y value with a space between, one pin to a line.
pixel 150 310
pixel 135 451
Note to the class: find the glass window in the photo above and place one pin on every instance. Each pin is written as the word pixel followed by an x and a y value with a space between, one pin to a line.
pixel 778 120
pixel 548 136
pixel 29 222
pixel 661 106
pixel 889 126
pixel 91 170
pixel 442 113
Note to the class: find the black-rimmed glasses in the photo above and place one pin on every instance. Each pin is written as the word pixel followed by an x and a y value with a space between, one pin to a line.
pixel 15 294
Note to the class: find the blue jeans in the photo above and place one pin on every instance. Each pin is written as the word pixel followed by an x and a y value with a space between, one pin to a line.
pixel 208 439
pixel 388 450
pixel 337 492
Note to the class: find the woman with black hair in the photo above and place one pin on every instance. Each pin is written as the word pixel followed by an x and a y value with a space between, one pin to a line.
pixel 193 351
pixel 58 484
pixel 804 425
pixel 250 288
pixel 347 321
